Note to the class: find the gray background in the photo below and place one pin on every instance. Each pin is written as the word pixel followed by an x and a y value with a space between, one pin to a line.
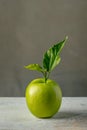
pixel 30 27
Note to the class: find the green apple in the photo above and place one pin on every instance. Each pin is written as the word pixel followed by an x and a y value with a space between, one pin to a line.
pixel 43 99
pixel 43 95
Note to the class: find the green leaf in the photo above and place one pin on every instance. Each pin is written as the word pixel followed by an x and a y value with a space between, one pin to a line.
pixel 34 67
pixel 51 57
pixel 55 63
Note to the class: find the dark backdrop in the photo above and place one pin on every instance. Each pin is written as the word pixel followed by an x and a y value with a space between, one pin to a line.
pixel 30 27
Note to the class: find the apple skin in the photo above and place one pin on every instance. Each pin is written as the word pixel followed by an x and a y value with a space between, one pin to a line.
pixel 43 99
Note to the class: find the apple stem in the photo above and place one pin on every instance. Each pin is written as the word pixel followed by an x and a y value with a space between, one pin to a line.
pixel 46 75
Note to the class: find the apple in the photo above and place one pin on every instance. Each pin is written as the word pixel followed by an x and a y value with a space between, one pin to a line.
pixel 43 95
pixel 43 99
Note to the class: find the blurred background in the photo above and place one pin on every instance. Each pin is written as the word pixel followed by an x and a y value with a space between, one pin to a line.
pixel 28 28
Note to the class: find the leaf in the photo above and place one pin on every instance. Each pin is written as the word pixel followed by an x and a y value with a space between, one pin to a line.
pixel 51 57
pixel 34 67
pixel 56 62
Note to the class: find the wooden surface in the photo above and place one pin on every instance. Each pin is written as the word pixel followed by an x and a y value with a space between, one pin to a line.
pixel 14 115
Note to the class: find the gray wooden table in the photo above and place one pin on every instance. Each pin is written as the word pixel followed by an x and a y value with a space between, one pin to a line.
pixel 14 115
